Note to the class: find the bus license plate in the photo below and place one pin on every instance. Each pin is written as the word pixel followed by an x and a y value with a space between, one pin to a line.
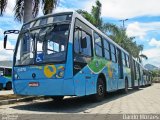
pixel 33 84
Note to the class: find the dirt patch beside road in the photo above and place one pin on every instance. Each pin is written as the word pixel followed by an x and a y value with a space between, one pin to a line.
pixel 12 96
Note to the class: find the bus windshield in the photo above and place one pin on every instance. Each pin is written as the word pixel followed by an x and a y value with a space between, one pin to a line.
pixel 43 45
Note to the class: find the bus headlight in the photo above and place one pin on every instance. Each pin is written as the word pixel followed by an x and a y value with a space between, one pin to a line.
pixel 16 76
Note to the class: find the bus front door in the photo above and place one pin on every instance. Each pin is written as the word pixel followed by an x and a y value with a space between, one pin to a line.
pixel 84 78
pixel 120 68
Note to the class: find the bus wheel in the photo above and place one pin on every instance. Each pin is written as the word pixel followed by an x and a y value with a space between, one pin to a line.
pixel 58 98
pixel 137 87
pixel 126 87
pixel 1 86
pixel 8 86
pixel 100 90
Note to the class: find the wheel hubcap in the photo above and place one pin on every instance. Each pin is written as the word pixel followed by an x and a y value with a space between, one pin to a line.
pixel 100 90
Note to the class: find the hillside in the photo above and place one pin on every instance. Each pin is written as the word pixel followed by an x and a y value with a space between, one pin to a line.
pixel 150 67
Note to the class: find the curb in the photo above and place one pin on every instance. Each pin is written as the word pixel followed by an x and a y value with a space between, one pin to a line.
pixel 12 101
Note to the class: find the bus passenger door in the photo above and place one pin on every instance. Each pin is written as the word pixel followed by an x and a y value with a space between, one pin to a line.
pixel 82 56
pixel 120 64
pixel 120 69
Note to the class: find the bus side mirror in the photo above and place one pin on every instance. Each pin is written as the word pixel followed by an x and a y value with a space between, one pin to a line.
pixel 84 43
pixel 5 41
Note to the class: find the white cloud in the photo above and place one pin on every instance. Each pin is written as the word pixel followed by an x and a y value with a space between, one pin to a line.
pixel 12 37
pixel 9 45
pixel 10 7
pixel 153 55
pixel 130 8
pixel 62 9
pixel 119 9
pixel 137 29
pixel 1 31
pixel 155 43
pixel 141 30
pixel 6 54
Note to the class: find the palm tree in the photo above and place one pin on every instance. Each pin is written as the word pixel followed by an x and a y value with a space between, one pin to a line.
pixel 141 56
pixel 26 10
pixel 114 32
pixel 95 16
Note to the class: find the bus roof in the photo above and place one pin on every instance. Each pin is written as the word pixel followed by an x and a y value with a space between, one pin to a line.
pixel 48 15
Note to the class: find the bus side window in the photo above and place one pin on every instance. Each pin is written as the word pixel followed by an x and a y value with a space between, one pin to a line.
pixel 127 61
pixel 77 41
pixel 98 45
pixel 106 49
pixel 78 36
pixel 113 53
pixel 87 50
pixel 124 59
pixel 1 71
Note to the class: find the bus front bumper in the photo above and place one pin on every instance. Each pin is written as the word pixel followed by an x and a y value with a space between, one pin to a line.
pixel 50 87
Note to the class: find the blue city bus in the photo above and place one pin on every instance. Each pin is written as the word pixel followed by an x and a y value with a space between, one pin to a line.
pixel 62 54
pixel 5 78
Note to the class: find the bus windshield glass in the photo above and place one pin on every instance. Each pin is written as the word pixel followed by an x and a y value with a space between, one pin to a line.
pixel 45 44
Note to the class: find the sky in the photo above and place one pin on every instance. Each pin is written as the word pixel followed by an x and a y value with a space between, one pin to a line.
pixel 143 22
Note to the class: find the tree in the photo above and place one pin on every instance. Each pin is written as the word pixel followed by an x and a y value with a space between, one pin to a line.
pixel 141 56
pixel 95 16
pixel 114 32
pixel 26 10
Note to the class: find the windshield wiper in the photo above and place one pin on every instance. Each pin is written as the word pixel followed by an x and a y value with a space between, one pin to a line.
pixel 43 33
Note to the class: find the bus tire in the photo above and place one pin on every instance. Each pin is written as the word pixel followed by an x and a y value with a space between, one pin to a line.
pixel 1 86
pixel 8 86
pixel 58 98
pixel 137 87
pixel 125 90
pixel 100 90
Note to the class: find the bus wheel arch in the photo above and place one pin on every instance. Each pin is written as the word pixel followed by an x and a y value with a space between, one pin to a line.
pixel 8 85
pixel 102 76
pixel 100 88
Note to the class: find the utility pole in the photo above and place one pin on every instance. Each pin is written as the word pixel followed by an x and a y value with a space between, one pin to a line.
pixel 123 22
